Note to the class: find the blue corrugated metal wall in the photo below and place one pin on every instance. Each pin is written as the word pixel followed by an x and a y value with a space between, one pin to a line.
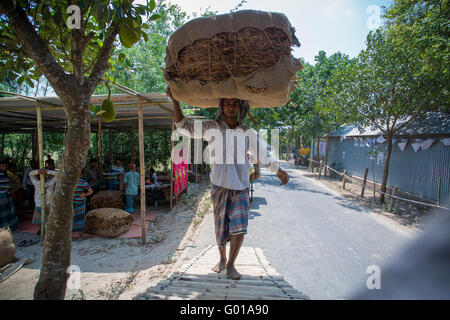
pixel 414 172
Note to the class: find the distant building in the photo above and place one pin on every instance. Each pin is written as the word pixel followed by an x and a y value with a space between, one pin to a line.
pixel 420 155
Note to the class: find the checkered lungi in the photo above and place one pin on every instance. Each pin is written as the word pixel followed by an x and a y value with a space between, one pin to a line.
pixel 8 216
pixel 230 213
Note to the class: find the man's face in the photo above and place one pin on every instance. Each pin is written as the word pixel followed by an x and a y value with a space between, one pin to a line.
pixel 93 164
pixel 118 163
pixel 3 167
pixel 231 108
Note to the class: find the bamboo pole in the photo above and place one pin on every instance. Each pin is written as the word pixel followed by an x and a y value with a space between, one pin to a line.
pixel 171 165
pixel 141 167
pixel 41 166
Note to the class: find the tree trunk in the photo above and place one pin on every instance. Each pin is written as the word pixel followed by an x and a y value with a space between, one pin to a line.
pixel 386 167
pixel 58 237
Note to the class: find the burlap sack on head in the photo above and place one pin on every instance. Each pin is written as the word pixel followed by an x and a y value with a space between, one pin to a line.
pixel 7 247
pixel 107 199
pixel 108 222
pixel 244 55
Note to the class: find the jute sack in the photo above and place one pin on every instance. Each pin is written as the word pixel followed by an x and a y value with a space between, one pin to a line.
pixel 7 247
pixel 108 222
pixel 107 199
pixel 244 55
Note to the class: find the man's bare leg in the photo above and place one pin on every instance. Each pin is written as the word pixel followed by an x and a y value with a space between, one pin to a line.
pixel 236 243
pixel 222 264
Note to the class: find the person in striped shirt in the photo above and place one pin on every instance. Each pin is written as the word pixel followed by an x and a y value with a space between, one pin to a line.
pixel 82 190
pixel 7 210
pixel 114 177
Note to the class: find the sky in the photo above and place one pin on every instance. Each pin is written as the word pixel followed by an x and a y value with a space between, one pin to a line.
pixel 328 25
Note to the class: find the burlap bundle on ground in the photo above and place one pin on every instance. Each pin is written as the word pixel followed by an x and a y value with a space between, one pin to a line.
pixel 108 222
pixel 7 247
pixel 244 55
pixel 107 199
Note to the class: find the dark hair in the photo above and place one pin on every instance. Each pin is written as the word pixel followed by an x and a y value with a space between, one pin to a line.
pixel 4 161
pixel 93 160
pixel 152 170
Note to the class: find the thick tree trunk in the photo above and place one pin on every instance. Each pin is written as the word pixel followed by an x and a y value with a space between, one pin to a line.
pixel 58 237
pixel 386 168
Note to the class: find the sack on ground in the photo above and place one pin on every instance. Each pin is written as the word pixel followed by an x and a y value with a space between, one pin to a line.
pixel 244 55
pixel 7 247
pixel 108 222
pixel 107 199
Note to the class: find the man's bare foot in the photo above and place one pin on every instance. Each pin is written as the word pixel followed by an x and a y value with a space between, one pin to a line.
pixel 232 273
pixel 220 266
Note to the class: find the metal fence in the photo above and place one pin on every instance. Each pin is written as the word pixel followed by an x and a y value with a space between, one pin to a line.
pixel 417 173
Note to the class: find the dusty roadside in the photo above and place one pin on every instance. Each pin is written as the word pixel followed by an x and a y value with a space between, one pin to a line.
pixel 120 268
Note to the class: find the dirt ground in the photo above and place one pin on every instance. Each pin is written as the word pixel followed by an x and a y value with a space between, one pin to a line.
pixel 119 268
pixel 404 213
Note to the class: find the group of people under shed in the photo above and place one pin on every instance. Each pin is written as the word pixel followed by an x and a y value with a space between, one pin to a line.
pixel 17 192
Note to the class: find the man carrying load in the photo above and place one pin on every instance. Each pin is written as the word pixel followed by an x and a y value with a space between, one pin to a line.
pixel 229 179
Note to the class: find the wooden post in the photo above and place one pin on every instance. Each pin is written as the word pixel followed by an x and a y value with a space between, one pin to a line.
pixel 34 147
pixel 109 146
pixel 165 151
pixel 325 170
pixel 394 193
pixel 364 182
pixel 99 148
pixel 151 147
pixel 320 168
pixel 133 147
pixel 141 167
pixel 439 192
pixel 343 179
pixel 171 165
pixel 318 152
pixel 41 166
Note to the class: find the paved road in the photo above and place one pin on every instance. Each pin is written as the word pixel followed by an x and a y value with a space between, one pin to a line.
pixel 319 241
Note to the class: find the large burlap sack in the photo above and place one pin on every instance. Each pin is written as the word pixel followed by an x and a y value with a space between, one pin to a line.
pixel 244 55
pixel 108 222
pixel 7 247
pixel 107 199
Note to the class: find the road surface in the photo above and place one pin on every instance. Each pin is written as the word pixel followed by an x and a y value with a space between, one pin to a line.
pixel 320 242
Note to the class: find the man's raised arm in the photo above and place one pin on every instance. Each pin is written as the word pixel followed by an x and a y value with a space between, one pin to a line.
pixel 176 106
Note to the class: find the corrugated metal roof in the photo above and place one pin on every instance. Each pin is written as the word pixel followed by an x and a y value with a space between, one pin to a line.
pixel 432 123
